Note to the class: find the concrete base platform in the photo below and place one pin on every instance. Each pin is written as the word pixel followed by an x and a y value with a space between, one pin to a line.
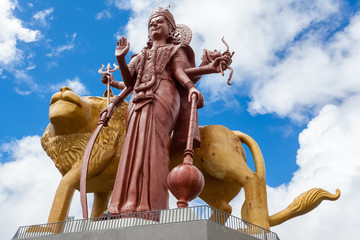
pixel 196 230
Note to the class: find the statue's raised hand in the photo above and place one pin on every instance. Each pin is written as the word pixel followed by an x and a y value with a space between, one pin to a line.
pixel 122 47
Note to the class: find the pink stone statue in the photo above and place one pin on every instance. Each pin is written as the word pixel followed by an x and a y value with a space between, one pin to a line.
pixel 162 80
pixel 159 82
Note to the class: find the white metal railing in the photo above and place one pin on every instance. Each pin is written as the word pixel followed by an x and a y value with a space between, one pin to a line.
pixel 176 215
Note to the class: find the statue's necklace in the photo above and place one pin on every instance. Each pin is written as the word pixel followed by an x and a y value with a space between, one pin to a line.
pixel 150 55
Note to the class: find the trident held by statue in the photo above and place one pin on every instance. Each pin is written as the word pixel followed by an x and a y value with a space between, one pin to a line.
pixel 109 70
pixel 102 122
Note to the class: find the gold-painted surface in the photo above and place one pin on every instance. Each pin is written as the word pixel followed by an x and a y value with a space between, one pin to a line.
pixel 221 158
pixel 72 119
pixel 303 204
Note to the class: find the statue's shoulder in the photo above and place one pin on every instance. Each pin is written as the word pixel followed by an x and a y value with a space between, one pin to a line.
pixel 189 52
pixel 185 49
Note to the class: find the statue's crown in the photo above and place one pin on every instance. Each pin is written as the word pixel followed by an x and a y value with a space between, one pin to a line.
pixel 159 11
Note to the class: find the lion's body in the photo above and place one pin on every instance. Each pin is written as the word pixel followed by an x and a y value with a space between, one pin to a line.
pixel 221 159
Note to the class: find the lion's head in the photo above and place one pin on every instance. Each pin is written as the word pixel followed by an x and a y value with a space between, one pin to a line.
pixel 72 119
pixel 70 113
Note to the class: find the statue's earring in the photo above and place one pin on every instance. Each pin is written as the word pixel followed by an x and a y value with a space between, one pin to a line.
pixel 170 35
pixel 172 32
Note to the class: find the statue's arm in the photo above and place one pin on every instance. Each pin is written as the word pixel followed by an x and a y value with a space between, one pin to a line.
pixel 122 48
pixel 212 62
pixel 200 70
pixel 125 72
pixel 112 82
pixel 179 64
pixel 106 114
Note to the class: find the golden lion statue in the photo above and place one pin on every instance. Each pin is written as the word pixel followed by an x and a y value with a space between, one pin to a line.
pixel 221 158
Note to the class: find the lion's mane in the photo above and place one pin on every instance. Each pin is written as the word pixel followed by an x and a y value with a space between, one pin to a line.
pixel 67 150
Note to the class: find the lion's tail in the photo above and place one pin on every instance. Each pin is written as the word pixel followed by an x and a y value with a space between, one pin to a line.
pixel 255 151
pixel 304 203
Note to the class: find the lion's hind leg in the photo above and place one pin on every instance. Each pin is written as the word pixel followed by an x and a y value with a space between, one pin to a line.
pixel 218 194
pixel 222 212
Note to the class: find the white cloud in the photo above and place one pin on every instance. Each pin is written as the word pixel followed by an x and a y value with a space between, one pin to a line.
pixel 28 182
pixel 103 14
pixel 255 30
pixel 42 16
pixel 26 83
pixel 328 158
pixel 31 67
pixel 313 74
pixel 57 51
pixel 74 84
pixel 12 31
pixel 22 92
pixel 262 27
pixel 123 4
pixel 12 57
pixel 27 185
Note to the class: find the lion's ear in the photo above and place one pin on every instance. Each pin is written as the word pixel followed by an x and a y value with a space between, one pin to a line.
pixel 106 93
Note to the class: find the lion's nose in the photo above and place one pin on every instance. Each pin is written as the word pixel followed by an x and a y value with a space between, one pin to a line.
pixel 64 89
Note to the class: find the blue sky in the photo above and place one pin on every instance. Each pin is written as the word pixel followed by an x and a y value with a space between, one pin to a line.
pixel 296 90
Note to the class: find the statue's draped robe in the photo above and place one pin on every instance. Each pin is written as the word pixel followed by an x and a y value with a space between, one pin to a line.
pixel 140 184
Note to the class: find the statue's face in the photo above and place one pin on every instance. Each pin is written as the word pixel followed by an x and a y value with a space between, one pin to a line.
pixel 158 28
